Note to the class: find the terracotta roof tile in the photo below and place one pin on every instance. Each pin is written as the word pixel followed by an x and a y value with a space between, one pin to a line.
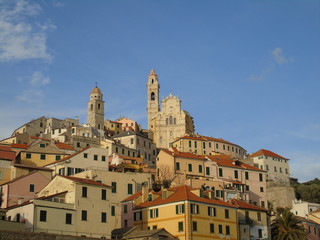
pixel 222 160
pixel 15 145
pixel 267 153
pixel 242 204
pixel 85 181
pixel 65 146
pixel 7 154
pixel 185 154
pixel 32 167
pixel 132 197
pixel 182 193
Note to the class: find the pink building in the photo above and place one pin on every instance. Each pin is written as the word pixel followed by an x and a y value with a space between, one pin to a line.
pixel 129 124
pixel 23 188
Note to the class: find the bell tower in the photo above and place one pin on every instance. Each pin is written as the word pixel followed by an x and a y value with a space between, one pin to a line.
pixel 96 109
pixel 153 106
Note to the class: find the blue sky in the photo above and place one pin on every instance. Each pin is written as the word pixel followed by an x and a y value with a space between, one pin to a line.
pixel 247 71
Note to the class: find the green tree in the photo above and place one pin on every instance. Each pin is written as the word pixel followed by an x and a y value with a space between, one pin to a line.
pixel 286 226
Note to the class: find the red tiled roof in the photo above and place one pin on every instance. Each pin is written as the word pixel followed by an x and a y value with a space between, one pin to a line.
pixel 185 154
pixel 15 145
pixel 242 204
pixel 132 197
pixel 182 193
pixel 86 181
pixel 7 154
pixel 65 146
pixel 267 153
pixel 70 156
pixel 228 162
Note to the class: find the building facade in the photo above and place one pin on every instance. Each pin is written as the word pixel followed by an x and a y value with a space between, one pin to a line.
pixel 169 122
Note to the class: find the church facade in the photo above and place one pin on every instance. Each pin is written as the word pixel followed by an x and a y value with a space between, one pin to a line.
pixel 169 122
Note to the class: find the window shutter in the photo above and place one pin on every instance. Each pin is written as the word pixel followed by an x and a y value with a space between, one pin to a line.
pixel 151 214
pixel 157 212
pixel 182 208
pixel 177 209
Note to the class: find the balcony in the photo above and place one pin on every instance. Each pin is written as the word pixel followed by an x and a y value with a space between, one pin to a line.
pixel 246 221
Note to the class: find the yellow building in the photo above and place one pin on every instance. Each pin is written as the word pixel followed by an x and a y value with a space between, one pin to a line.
pixel 112 127
pixel 203 145
pixel 184 212
pixel 68 206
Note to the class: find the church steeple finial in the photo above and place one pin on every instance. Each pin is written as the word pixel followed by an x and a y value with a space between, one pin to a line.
pixel 153 73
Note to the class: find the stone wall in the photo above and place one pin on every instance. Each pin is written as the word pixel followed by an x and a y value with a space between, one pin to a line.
pixel 280 197
pixel 10 235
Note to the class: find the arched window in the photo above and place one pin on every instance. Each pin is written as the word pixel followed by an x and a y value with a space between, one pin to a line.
pixel 152 81
pixel 98 126
pixel 91 107
pixel 99 106
pixel 153 96
pixel 166 121
pixel 170 120
pixel 174 121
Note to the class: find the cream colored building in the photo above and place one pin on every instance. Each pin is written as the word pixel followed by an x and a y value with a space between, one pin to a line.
pixel 87 158
pixel 302 208
pixel 203 145
pixel 144 146
pixel 68 206
pixel 169 122
pixel 277 166
pixel 124 184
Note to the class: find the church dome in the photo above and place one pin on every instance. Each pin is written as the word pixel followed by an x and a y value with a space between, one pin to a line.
pixel 96 90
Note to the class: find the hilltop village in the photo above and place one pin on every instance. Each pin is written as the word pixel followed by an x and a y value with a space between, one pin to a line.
pixel 112 179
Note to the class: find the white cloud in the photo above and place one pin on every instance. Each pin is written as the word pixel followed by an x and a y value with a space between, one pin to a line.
pixel 19 38
pixel 58 4
pixel 31 96
pixel 278 56
pixel 38 79
pixel 310 132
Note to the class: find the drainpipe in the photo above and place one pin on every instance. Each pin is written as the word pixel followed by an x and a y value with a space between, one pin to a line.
pixel 187 221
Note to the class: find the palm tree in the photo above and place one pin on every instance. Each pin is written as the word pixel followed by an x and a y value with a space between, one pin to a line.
pixel 286 226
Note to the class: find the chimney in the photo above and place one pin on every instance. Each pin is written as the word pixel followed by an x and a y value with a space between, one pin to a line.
pixel 145 192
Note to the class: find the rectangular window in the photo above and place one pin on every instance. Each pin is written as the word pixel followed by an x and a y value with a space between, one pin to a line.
pixel 103 158
pixel 261 189
pixel 195 144
pixel 84 192
pixel 103 217
pixel 200 168
pixel 207 170
pixel 43 216
pixel 137 216
pixel 236 174
pixel 68 218
pixel 31 188
pixel 177 166
pixel 154 227
pixel 95 157
pixel 204 145
pixel 212 211
pixel 129 188
pixel 275 168
pixel 190 167
pixel 114 187
pixel 246 175
pixel 190 144
pixel 125 208
pixel 209 144
pixel 226 213
pixel 153 213
pixel 260 177
pixel 28 155
pixel 42 145
pixel 259 216
pixel 180 226
pixel 211 228
pixel 103 194
pixel 85 155
pixel 194 209
pixel 43 157
pixel 113 210
pixel 220 229
pixel 220 172
pixel 84 215
pixel 180 209
pixel 217 146
pixel 58 157
pixel 227 230
pixel 61 171
pixel 194 226
pixel 260 233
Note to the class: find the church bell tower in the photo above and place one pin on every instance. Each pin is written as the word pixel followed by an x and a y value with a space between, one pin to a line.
pixel 96 109
pixel 153 97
